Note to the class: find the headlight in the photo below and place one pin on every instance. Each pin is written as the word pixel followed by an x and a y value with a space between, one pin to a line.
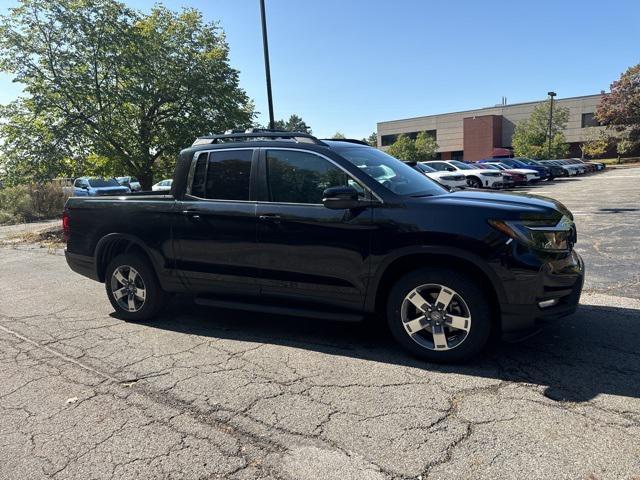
pixel 490 174
pixel 540 234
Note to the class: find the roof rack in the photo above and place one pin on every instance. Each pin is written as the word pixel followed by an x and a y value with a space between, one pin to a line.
pixel 348 140
pixel 256 134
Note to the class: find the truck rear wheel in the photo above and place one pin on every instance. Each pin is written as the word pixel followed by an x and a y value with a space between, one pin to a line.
pixel 133 288
pixel 439 315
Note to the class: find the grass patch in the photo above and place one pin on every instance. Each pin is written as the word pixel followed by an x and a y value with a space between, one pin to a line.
pixel 50 237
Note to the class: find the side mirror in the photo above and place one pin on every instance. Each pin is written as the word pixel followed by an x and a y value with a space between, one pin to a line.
pixel 340 198
pixel 451 169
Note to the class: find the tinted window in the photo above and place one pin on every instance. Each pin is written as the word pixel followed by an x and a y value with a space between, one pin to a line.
pixel 439 166
pixel 461 165
pixel 101 182
pixel 300 177
pixel 223 175
pixel 589 120
pixel 425 168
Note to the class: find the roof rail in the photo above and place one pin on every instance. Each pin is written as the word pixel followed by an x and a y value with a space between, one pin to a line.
pixel 348 140
pixel 257 134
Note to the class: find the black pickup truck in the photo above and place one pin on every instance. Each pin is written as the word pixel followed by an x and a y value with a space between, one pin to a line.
pixel 286 223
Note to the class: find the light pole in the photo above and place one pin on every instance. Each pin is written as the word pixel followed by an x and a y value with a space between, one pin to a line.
pixel 551 95
pixel 265 45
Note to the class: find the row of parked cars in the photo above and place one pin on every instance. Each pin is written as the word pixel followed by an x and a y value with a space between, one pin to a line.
pixel 498 173
pixel 97 186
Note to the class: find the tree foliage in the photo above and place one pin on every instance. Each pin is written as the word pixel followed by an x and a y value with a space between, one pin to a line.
pixel 104 79
pixel 620 110
pixel 294 124
pixel 531 136
pixel 426 147
pixel 338 135
pixel 596 143
pixel 423 148
pixel 372 139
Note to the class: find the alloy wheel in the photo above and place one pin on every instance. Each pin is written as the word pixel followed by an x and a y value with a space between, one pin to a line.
pixel 128 288
pixel 436 317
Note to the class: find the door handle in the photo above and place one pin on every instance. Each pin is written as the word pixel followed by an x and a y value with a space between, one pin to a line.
pixel 192 214
pixel 270 218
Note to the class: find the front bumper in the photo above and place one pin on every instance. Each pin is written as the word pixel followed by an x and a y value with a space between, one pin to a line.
pixel 559 281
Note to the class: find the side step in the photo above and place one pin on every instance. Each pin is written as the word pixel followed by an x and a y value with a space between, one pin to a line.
pixel 279 310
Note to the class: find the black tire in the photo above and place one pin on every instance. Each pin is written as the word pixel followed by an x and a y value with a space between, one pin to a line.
pixel 154 297
pixel 473 297
pixel 474 182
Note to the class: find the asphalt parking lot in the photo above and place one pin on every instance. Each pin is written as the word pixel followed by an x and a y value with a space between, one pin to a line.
pixel 202 393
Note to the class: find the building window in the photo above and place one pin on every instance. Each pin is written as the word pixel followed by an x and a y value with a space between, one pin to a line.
pixel 589 120
pixel 388 140
pixel 391 139
pixel 457 155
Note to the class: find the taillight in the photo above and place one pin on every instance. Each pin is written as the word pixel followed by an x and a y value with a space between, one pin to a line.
pixel 66 226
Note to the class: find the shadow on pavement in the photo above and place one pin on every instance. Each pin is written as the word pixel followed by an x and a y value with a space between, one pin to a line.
pixel 594 351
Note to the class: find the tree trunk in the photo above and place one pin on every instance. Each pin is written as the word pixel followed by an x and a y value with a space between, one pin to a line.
pixel 146 180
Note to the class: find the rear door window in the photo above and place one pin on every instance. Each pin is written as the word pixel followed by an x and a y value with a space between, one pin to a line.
pixel 223 175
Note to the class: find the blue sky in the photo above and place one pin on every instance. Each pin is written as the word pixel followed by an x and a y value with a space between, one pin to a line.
pixel 345 65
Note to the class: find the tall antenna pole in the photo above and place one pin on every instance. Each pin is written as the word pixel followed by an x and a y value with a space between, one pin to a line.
pixel 267 69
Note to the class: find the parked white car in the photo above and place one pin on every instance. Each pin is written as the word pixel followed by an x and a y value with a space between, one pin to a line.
pixel 531 175
pixel 476 177
pixel 448 179
pixel 162 186
pixel 572 163
pixel 131 182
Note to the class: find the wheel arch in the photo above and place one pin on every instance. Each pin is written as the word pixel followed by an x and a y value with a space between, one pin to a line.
pixel 414 259
pixel 115 244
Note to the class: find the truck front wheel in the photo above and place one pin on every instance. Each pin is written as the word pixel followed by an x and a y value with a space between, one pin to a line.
pixel 439 314
pixel 132 288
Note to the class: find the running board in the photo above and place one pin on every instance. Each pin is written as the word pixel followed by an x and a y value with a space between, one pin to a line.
pixel 273 309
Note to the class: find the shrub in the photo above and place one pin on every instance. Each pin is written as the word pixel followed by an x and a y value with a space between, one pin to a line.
pixel 27 203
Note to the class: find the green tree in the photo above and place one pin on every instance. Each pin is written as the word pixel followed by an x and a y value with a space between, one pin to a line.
pixel 423 148
pixel 624 145
pixel 404 148
pixel 596 143
pixel 620 110
pixel 531 136
pixel 426 147
pixel 372 139
pixel 102 78
pixel 294 124
pixel 338 135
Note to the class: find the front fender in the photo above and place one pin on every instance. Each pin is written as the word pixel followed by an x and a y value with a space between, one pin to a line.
pixel 435 250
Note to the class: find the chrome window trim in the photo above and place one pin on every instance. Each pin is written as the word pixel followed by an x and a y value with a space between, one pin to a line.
pixel 365 188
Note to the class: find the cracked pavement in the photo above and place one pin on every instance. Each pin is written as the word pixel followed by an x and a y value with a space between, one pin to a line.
pixel 208 393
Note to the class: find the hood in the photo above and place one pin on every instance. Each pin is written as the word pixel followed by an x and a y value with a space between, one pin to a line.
pixel 505 205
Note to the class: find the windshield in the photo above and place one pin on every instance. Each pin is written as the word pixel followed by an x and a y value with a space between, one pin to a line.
pixel 526 162
pixel 390 172
pixel 461 165
pixel 425 168
pixel 101 182
pixel 492 167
